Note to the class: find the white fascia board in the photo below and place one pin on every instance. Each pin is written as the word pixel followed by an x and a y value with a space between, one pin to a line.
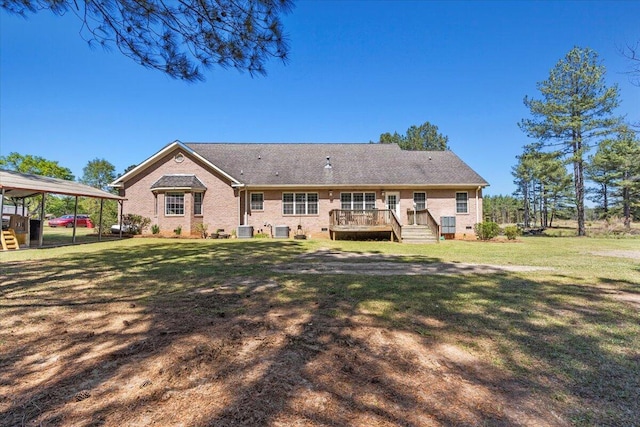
pixel 118 182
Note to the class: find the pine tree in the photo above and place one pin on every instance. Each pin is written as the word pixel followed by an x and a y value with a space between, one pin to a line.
pixel 425 137
pixel 616 169
pixel 179 38
pixel 576 109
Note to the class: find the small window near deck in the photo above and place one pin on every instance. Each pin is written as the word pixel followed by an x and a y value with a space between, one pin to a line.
pixel 257 201
pixel 420 201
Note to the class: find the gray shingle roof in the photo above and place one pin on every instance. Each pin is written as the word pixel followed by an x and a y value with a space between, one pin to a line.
pixel 178 181
pixel 351 164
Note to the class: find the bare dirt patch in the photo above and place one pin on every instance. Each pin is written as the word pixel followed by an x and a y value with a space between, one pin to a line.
pixel 619 254
pixel 75 352
pixel 336 262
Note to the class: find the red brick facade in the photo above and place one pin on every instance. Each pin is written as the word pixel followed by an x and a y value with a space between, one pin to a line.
pixel 220 207
pixel 223 204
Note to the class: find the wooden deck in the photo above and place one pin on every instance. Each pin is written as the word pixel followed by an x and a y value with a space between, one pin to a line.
pixel 361 224
pixel 364 222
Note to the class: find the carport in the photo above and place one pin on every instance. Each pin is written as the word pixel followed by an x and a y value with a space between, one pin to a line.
pixel 20 186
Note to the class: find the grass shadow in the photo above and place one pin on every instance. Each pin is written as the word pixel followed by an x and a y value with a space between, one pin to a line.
pixel 134 334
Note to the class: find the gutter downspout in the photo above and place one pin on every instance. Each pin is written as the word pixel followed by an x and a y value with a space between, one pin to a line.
pixel 246 206
pixel 239 187
pixel 477 205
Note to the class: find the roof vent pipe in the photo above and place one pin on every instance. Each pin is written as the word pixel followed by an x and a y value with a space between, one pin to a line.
pixel 328 165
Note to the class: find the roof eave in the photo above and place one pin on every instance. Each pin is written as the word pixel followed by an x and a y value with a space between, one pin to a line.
pixel 197 189
pixel 380 186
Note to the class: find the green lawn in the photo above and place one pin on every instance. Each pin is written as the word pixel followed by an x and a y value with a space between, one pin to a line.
pixel 569 336
pixel 56 236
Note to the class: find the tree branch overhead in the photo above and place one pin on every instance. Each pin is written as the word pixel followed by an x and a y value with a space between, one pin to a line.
pixel 179 38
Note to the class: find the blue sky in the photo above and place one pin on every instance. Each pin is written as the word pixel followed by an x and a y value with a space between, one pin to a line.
pixel 357 69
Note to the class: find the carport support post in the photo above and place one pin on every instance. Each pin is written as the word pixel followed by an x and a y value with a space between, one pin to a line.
pixel 121 203
pixel 75 220
pixel 41 233
pixel 1 207
pixel 100 221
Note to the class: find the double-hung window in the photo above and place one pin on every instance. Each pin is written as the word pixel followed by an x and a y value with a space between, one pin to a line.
pixel 197 203
pixel 420 201
pixel 358 201
pixel 299 203
pixel 257 201
pixel 462 203
pixel 174 204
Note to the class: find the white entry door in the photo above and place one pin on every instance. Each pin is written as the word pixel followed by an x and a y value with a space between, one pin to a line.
pixel 392 201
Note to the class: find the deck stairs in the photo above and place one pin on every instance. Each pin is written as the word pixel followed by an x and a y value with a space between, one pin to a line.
pixel 9 240
pixel 417 234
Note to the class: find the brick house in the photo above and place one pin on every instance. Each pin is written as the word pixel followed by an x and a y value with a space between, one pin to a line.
pixel 320 190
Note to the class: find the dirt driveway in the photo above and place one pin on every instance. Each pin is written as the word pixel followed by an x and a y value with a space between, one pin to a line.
pixel 326 261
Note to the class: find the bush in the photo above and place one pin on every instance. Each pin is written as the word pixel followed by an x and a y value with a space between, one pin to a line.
pixel 261 236
pixel 486 230
pixel 155 229
pixel 135 224
pixel 178 230
pixel 511 232
pixel 201 229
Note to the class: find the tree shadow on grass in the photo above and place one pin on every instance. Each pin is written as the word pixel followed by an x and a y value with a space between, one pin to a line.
pixel 208 334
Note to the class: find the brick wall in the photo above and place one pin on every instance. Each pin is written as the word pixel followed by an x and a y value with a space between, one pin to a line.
pixel 440 202
pixel 224 206
pixel 219 204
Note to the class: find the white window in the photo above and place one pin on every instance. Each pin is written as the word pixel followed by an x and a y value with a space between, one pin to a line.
pixel 358 201
pixel 197 203
pixel 462 203
pixel 300 203
pixel 420 201
pixel 257 201
pixel 174 204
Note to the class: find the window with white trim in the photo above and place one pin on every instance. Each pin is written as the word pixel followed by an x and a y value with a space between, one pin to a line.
pixel 300 203
pixel 257 201
pixel 462 203
pixel 174 204
pixel 420 200
pixel 358 201
pixel 197 203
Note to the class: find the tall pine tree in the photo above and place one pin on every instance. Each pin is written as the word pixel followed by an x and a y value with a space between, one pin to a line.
pixel 575 110
pixel 615 168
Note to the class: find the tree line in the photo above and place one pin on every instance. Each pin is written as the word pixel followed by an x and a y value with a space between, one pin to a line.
pixel 574 115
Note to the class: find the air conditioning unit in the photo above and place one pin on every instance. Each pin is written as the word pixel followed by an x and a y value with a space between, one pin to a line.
pixel 281 231
pixel 245 231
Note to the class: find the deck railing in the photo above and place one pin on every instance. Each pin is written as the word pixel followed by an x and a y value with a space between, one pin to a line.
pixel 424 217
pixel 395 226
pixel 363 218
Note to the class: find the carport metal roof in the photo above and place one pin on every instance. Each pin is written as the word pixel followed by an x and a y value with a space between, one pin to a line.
pixel 20 185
